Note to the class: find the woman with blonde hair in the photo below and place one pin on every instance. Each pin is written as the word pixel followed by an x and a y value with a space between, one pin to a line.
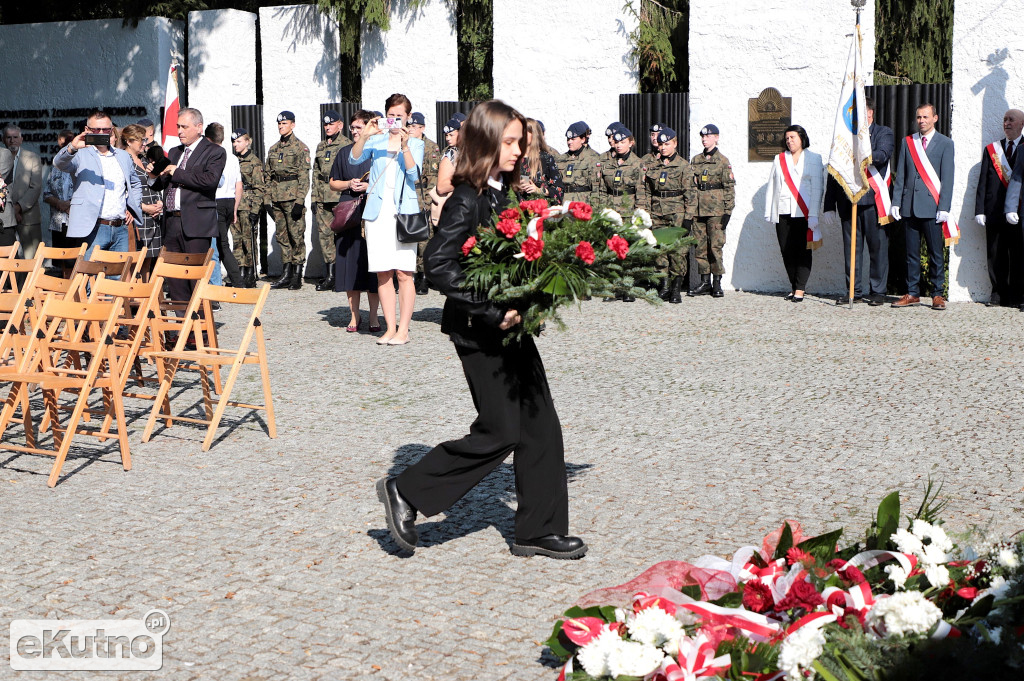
pixel 148 233
pixel 540 175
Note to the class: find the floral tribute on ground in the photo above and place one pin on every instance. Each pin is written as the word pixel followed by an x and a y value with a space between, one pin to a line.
pixel 536 258
pixel 896 606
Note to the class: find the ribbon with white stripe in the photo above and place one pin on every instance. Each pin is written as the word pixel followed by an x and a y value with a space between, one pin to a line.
pixel 880 185
pixel 950 230
pixel 998 157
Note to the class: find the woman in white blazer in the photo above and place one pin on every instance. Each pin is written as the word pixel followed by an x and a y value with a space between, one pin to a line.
pixel 397 163
pixel 795 214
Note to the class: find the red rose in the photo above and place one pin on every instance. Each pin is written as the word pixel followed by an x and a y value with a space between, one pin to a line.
pixel 796 555
pixel 585 252
pixel 801 595
pixel 757 597
pixel 619 245
pixel 532 248
pixel 509 214
pixel 580 210
pixel 509 227
pixel 468 246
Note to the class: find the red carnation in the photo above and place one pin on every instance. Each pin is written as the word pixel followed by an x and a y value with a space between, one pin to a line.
pixel 468 246
pixel 837 599
pixel 509 214
pixel 580 210
pixel 532 248
pixel 852 612
pixel 848 573
pixel 537 206
pixel 619 245
pixel 585 252
pixel 757 597
pixel 509 227
pixel 797 555
pixel 801 595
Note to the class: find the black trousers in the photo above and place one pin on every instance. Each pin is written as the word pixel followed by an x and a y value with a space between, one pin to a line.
pixel 176 241
pixel 877 240
pixel 935 242
pixel 792 234
pixel 1005 248
pixel 225 215
pixel 511 395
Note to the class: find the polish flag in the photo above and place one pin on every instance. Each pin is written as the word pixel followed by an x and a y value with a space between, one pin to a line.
pixel 170 122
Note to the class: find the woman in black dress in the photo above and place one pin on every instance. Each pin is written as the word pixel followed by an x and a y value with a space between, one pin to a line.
pixel 351 273
pixel 508 383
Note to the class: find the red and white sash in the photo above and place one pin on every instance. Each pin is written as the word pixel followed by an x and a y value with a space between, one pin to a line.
pixel 814 239
pixel 880 185
pixel 950 230
pixel 998 157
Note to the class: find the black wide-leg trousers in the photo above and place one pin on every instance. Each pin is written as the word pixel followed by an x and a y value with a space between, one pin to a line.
pixel 515 413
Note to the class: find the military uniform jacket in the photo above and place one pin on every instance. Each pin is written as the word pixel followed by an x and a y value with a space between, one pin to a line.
pixel 326 152
pixel 670 191
pixel 714 183
pixel 255 190
pixel 288 169
pixel 622 183
pixel 580 172
pixel 431 164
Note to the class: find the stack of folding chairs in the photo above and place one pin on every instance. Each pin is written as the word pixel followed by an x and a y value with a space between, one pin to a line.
pixel 73 349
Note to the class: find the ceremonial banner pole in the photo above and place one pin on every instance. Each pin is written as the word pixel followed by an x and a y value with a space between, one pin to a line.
pixel 853 249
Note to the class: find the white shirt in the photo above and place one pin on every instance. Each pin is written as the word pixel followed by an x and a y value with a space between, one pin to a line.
pixel 929 136
pixel 232 174
pixel 115 193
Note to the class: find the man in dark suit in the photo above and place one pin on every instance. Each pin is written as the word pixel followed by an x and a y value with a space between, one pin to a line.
pixel 1004 244
pixel 868 227
pixel 190 206
pixel 923 201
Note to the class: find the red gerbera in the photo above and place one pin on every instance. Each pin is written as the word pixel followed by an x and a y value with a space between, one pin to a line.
pixel 580 210
pixel 509 227
pixel 468 246
pixel 797 555
pixel 585 252
pixel 619 245
pixel 801 595
pixel 757 597
pixel 532 248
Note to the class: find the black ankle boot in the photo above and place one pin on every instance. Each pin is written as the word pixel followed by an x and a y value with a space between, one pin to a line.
pixel 286 278
pixel 703 289
pixel 249 277
pixel 675 293
pixel 327 283
pixel 664 287
pixel 421 284
pixel 296 282
pixel 716 288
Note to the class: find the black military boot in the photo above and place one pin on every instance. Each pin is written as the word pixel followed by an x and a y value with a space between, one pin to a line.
pixel 296 279
pixel 675 293
pixel 716 288
pixel 249 277
pixel 703 289
pixel 421 284
pixel 664 287
pixel 286 278
pixel 327 283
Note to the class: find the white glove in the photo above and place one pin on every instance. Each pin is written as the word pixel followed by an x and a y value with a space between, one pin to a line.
pixel 942 217
pixel 895 212
pixel 812 222
pixel 980 219
pixel 1012 218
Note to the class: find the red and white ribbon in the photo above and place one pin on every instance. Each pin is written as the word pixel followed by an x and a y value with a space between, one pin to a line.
pixel 997 155
pixel 814 239
pixel 696 661
pixel 748 621
pixel 869 559
pixel 950 230
pixel 880 185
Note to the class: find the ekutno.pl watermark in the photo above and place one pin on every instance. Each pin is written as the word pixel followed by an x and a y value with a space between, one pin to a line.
pixel 89 645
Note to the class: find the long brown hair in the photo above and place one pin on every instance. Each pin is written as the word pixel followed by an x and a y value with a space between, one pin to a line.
pixel 533 151
pixel 480 145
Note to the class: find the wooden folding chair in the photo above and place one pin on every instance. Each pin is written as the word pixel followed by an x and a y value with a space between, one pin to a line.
pixel 9 251
pixel 15 268
pixel 93 324
pixel 134 258
pixel 66 256
pixel 212 357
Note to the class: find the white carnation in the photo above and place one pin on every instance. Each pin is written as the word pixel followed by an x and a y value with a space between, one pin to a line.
pixel 1008 559
pixel 997 588
pixel 936 534
pixel 934 554
pixel 906 612
pixel 897 574
pixel 648 236
pixel 907 542
pixel 594 655
pixel 937 575
pixel 656 627
pixel 629 658
pixel 800 649
pixel 611 215
pixel 641 218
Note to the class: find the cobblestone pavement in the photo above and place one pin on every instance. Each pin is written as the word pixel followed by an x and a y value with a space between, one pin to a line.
pixel 690 429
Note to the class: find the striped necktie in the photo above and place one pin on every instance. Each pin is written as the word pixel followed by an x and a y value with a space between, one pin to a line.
pixel 172 191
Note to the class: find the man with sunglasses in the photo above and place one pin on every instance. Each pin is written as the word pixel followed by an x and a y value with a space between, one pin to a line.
pixel 107 195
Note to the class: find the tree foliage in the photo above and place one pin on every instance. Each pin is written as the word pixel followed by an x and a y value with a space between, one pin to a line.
pixel 660 44
pixel 475 29
pixel 914 40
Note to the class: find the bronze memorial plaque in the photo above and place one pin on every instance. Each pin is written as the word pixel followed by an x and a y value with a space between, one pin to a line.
pixel 768 116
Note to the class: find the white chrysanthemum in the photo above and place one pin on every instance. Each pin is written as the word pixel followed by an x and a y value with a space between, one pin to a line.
pixel 924 530
pixel 641 218
pixel 937 575
pixel 906 612
pixel 648 236
pixel 897 574
pixel 629 658
pixel 934 554
pixel 997 588
pixel 594 655
pixel 1008 558
pixel 656 627
pixel 799 650
pixel 908 542
pixel 612 216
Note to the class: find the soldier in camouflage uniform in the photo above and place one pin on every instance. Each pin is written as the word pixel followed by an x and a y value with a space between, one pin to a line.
pixel 431 163
pixel 621 179
pixel 255 196
pixel 323 197
pixel 715 188
pixel 669 183
pixel 579 167
pixel 288 165
pixel 652 157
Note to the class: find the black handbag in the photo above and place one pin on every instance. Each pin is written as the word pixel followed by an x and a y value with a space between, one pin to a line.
pixel 414 227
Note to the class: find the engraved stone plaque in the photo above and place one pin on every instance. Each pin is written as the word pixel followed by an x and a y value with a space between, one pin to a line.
pixel 768 116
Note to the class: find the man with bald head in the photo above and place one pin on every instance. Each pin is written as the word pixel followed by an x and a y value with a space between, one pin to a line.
pixel 1004 242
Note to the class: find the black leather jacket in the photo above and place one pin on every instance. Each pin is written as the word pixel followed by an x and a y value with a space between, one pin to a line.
pixel 469 319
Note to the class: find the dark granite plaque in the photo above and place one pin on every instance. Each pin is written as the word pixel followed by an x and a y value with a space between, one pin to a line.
pixel 768 116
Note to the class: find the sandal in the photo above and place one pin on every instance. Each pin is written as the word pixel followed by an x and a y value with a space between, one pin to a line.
pixel 352 329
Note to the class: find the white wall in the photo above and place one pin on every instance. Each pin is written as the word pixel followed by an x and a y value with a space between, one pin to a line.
pixel 300 71
pixel 988 79
pixel 564 61
pixel 418 57
pixel 221 63
pixel 799 47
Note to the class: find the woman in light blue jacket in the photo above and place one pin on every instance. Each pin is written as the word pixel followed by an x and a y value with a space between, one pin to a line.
pixel 397 164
